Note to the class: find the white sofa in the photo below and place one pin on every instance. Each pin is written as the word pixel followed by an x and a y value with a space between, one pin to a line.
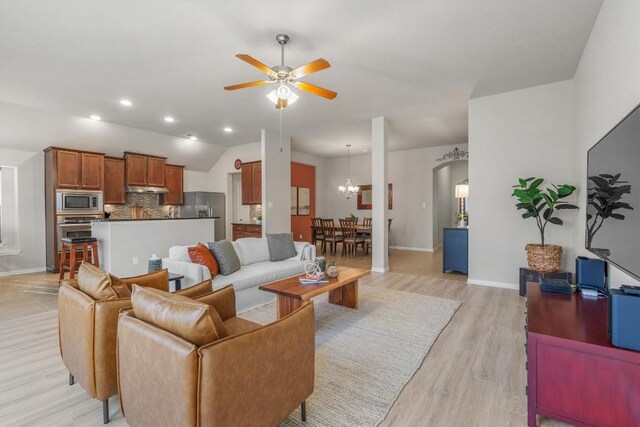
pixel 256 269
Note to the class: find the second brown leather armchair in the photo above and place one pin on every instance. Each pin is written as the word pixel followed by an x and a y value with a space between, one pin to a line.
pixel 255 376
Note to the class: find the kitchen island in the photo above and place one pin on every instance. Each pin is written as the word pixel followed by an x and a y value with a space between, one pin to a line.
pixel 125 246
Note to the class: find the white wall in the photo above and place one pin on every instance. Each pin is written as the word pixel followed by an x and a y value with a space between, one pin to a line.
pixel 515 135
pixel 411 173
pixel 606 87
pixel 30 233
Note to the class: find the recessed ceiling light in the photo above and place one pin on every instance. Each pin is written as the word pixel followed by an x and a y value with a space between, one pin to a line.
pixel 126 102
pixel 193 138
pixel 366 150
pixel 227 129
pixel 169 119
pixel 95 117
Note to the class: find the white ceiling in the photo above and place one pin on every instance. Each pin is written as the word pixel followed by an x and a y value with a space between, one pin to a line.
pixel 415 62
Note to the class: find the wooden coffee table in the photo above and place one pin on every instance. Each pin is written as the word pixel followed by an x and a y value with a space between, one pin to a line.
pixel 292 294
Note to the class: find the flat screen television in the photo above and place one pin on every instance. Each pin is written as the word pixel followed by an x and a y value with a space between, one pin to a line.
pixel 613 196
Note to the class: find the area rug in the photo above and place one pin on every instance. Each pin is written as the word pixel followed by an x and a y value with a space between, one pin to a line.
pixel 365 357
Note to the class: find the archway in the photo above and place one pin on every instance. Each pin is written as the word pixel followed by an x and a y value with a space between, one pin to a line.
pixel 445 205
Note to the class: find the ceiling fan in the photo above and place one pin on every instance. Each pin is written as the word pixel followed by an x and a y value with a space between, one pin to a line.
pixel 285 77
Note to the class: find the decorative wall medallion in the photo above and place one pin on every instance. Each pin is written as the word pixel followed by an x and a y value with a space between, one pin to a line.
pixel 237 164
pixel 454 155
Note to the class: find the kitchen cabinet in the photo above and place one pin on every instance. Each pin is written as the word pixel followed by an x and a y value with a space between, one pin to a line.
pixel 136 168
pixel 76 170
pixel 114 181
pixel 67 165
pixel 246 230
pixel 251 175
pixel 92 171
pixel 156 171
pixel 145 171
pixel 174 181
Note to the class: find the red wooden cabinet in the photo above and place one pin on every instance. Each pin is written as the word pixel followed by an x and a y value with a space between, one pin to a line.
pixel 574 373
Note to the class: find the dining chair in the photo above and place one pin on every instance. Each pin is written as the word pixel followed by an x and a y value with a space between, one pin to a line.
pixel 366 222
pixel 351 240
pixel 317 233
pixel 330 236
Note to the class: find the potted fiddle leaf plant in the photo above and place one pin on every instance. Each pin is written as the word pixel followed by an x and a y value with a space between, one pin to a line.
pixel 542 206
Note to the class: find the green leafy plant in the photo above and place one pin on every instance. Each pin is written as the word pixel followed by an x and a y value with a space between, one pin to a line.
pixel 605 197
pixel 542 204
pixel 463 216
pixel 353 217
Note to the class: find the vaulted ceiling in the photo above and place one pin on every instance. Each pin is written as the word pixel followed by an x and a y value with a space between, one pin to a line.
pixel 415 62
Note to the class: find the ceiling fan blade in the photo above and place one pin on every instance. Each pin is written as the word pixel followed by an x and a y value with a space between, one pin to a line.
pixel 259 65
pixel 311 67
pixel 281 104
pixel 316 90
pixel 249 84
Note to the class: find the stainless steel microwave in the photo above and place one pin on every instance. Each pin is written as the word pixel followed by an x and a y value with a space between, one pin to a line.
pixel 78 202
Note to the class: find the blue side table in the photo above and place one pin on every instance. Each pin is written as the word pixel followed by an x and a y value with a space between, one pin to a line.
pixel 455 250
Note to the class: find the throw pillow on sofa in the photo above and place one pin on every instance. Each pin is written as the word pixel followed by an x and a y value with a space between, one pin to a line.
pixel 281 246
pixel 194 321
pixel 226 256
pixel 200 254
pixel 99 284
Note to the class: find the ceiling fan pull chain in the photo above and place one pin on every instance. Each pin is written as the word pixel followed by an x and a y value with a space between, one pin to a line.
pixel 281 112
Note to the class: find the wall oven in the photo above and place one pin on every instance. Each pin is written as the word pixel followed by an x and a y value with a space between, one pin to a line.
pixel 78 202
pixel 74 226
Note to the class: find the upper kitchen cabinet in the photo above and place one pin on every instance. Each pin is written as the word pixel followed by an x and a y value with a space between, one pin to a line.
pixel 136 166
pixel 145 170
pixel 77 170
pixel 156 171
pixel 251 183
pixel 67 165
pixel 114 181
pixel 92 171
pixel 174 182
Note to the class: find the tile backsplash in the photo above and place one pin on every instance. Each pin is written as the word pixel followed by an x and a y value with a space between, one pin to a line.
pixel 149 201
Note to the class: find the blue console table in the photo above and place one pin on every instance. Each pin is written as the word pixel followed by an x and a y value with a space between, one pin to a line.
pixel 455 250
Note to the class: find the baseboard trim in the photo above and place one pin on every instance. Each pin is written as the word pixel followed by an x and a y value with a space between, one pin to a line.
pixel 27 271
pixel 380 270
pixel 478 282
pixel 409 248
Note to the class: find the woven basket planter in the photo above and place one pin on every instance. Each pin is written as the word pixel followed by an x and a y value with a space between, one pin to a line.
pixel 544 259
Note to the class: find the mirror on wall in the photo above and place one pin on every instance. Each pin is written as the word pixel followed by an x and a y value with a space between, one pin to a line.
pixel 365 197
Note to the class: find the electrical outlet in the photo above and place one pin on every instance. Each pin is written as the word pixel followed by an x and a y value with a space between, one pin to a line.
pixel 135 260
pixel 270 204
pixel 301 236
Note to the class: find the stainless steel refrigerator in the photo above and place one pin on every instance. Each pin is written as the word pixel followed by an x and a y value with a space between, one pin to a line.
pixel 202 204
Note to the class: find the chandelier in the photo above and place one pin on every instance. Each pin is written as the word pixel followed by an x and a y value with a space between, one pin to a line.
pixel 348 189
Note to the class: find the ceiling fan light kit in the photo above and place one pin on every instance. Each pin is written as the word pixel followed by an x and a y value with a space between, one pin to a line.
pixel 286 78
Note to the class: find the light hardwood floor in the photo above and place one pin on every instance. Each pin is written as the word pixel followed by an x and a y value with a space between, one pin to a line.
pixel 474 374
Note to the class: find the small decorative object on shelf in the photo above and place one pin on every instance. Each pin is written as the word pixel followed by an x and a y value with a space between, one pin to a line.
pixel 155 263
pixel 332 270
pixel 322 263
pixel 461 219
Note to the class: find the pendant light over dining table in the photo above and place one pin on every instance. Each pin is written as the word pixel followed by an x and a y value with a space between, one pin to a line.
pixel 348 189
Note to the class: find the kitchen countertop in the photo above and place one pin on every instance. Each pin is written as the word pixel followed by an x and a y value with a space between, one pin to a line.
pixel 246 223
pixel 151 219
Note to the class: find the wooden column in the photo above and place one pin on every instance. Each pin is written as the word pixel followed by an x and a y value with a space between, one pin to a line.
pixel 379 181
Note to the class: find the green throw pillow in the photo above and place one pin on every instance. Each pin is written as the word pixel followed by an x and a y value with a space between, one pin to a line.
pixel 226 256
pixel 281 246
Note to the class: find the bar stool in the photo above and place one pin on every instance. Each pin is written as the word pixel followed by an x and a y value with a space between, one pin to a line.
pixel 72 244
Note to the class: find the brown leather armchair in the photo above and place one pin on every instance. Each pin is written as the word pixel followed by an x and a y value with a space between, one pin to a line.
pixel 87 333
pixel 255 376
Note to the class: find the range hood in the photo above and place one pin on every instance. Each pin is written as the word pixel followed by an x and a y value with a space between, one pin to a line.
pixel 144 189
